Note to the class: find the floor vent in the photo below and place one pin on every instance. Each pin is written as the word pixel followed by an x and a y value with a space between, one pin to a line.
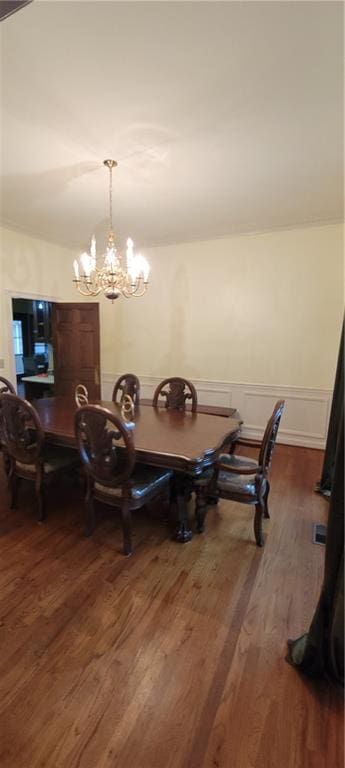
pixel 319 533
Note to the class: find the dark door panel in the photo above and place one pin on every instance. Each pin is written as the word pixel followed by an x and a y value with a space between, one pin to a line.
pixel 76 348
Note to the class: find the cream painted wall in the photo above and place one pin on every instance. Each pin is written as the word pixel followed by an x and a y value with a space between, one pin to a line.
pixel 27 267
pixel 32 268
pixel 271 315
pixel 264 308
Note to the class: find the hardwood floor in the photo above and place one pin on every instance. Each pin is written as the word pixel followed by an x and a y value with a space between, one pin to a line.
pixel 173 658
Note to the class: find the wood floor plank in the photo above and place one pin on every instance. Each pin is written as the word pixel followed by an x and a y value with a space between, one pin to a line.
pixel 174 658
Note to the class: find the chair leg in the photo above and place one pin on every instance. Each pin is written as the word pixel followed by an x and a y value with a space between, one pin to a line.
pixel 200 508
pixel 90 512
pixel 126 528
pixel 166 503
pixel 265 500
pixel 40 496
pixel 7 463
pixel 259 511
pixel 13 483
pixel 181 488
pixel 213 495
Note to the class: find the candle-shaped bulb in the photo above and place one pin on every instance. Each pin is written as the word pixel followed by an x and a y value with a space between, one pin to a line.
pixel 76 269
pixel 145 269
pixel 93 247
pixel 86 262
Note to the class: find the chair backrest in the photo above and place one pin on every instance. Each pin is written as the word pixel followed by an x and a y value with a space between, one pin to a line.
pixel 105 444
pixel 20 429
pixel 176 391
pixel 128 384
pixel 6 386
pixel 269 438
pixel 81 395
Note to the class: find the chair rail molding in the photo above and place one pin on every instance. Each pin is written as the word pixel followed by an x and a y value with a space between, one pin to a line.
pixel 304 422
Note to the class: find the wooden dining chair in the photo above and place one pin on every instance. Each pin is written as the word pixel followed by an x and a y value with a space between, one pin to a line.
pixel 5 387
pixel 29 457
pixel 173 394
pixel 107 450
pixel 238 478
pixel 128 384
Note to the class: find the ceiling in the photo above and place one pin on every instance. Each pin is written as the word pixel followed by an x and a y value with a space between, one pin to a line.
pixel 224 117
pixel 7 7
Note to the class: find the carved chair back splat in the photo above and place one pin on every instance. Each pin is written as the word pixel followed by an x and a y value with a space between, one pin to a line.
pixel 100 435
pixel 175 392
pixel 128 384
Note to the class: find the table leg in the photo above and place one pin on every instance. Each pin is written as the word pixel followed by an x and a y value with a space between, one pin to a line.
pixel 201 501
pixel 182 490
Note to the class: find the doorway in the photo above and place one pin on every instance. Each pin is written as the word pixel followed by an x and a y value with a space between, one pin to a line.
pixel 55 347
pixel 33 347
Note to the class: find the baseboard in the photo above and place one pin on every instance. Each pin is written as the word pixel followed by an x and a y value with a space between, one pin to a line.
pixel 305 418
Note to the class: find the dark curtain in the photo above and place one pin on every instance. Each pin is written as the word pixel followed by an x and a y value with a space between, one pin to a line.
pixel 321 651
pixel 325 484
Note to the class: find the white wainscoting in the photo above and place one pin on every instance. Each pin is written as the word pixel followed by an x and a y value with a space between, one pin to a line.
pixel 304 422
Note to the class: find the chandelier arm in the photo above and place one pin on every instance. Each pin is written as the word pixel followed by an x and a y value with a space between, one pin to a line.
pixel 88 291
pixel 137 292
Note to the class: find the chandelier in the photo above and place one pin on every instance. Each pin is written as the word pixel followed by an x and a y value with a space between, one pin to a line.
pixel 110 274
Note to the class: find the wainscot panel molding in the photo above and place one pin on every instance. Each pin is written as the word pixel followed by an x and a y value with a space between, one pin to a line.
pixel 304 422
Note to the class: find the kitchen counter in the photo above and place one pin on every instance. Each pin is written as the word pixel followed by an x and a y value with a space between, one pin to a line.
pixel 39 379
pixel 41 385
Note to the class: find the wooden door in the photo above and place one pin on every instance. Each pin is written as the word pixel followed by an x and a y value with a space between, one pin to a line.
pixel 76 348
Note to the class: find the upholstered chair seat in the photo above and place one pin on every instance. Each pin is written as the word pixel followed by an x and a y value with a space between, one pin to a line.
pixel 143 482
pixel 54 458
pixel 229 482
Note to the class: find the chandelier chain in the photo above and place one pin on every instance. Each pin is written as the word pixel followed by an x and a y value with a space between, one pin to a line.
pixel 111 198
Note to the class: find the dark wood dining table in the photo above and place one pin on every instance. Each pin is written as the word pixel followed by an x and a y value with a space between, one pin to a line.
pixel 213 410
pixel 187 443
